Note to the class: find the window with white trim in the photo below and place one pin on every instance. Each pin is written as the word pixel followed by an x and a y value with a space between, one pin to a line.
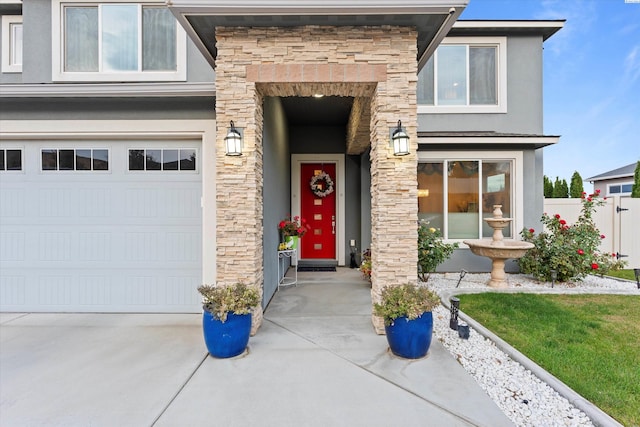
pixel 456 194
pixel 162 159
pixel 74 159
pixel 465 75
pixel 12 44
pixel 10 159
pixel 623 189
pixel 114 41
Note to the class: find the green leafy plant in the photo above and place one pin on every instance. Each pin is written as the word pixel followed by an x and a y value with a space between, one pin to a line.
pixel 432 251
pixel 295 226
pixel 406 300
pixel 365 265
pixel 571 250
pixel 221 300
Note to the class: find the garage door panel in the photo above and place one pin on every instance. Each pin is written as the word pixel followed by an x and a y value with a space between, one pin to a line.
pixel 109 242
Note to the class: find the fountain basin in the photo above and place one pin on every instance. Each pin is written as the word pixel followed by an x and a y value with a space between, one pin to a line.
pixel 505 249
pixel 498 251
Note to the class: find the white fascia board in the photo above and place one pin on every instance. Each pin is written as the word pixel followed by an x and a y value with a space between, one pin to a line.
pixel 82 90
pixel 315 7
pixel 509 24
pixel 494 140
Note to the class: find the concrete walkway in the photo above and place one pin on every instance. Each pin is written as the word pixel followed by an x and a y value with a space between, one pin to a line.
pixel 316 361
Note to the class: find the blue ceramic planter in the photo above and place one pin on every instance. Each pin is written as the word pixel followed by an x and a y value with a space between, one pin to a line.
pixel 226 339
pixel 410 339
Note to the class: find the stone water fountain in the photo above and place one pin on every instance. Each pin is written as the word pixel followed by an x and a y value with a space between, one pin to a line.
pixel 498 249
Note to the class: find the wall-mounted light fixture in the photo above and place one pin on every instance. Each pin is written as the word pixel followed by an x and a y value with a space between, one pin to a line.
pixel 399 141
pixel 233 141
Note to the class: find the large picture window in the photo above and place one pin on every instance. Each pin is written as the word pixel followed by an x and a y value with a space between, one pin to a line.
pixel 119 42
pixel 465 76
pixel 455 195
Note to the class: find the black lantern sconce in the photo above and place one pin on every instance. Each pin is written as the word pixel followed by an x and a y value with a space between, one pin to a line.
pixel 399 141
pixel 233 141
pixel 554 276
pixel 636 271
pixel 454 309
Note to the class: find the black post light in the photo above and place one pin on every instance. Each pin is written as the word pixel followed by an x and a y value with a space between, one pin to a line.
pixel 454 308
pixel 233 141
pixel 400 141
pixel 636 271
pixel 554 276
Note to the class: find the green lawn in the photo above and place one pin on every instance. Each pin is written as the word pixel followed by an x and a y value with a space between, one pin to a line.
pixel 623 274
pixel 590 342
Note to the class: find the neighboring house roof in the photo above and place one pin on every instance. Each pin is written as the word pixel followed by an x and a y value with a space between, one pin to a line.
pixel 623 172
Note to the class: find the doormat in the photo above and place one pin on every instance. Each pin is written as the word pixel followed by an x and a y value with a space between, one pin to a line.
pixel 316 268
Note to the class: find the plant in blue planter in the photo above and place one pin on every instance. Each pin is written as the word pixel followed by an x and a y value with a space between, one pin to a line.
pixel 408 318
pixel 226 320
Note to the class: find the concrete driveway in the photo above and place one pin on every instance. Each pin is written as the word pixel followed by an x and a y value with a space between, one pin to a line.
pixel 316 361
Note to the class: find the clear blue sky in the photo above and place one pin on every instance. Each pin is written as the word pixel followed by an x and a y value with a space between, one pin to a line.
pixel 591 80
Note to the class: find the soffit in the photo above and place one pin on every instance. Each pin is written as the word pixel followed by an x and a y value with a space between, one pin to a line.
pixel 431 18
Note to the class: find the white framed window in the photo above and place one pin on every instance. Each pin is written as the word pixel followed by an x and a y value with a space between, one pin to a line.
pixel 465 75
pixel 74 159
pixel 12 44
pixel 620 189
pixel 162 159
pixel 457 191
pixel 116 41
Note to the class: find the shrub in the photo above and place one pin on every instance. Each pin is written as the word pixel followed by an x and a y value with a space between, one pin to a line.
pixel 432 251
pixel 221 300
pixel 576 189
pixel 571 250
pixel 406 300
pixel 365 265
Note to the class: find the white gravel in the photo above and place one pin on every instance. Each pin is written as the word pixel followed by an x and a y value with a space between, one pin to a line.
pixel 524 398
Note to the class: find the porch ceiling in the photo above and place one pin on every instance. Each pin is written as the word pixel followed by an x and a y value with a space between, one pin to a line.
pixel 432 18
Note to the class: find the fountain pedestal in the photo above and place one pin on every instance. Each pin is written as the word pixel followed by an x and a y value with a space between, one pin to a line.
pixel 497 249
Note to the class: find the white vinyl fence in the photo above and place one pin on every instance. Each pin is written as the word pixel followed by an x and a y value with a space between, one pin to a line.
pixel 618 220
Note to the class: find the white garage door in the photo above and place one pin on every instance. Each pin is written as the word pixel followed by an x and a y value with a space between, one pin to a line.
pixel 100 226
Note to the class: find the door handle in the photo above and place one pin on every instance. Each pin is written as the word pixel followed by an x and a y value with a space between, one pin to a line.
pixel 333 227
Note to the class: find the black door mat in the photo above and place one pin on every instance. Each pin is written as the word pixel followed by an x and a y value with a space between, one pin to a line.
pixel 315 268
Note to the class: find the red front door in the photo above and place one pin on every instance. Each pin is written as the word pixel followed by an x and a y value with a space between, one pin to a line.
pixel 318 207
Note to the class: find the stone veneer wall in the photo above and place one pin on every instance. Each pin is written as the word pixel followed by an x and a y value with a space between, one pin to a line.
pixel 374 62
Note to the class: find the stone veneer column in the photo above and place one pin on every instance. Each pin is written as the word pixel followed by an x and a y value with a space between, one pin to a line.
pixel 394 205
pixel 376 62
pixel 239 179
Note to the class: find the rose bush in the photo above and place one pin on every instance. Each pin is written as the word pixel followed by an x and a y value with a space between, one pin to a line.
pixel 571 250
pixel 432 251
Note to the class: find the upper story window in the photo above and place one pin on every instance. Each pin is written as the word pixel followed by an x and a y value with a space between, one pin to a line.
pixel 117 42
pixel 465 75
pixel 12 44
